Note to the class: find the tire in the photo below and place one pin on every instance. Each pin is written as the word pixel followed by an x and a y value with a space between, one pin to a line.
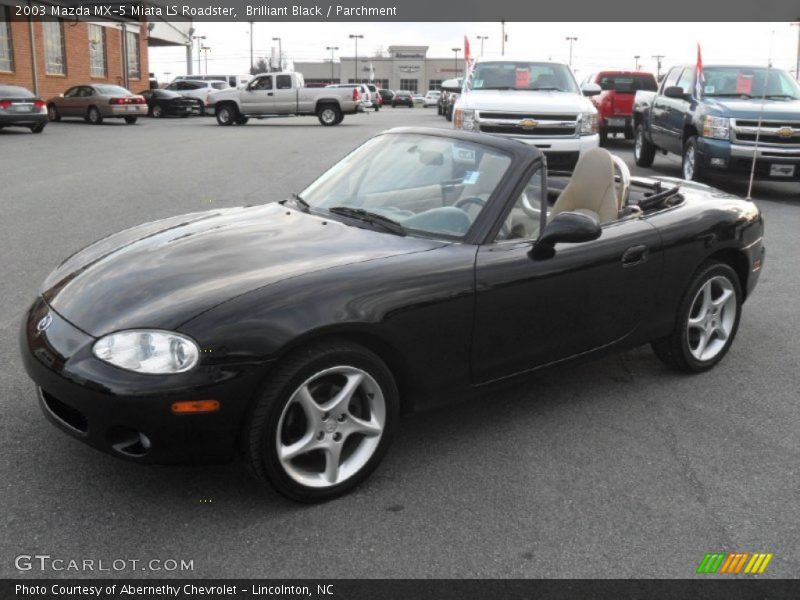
pixel 629 133
pixel 644 152
pixel 38 128
pixel 93 116
pixel 226 114
pixel 603 137
pixel 377 108
pixel 449 115
pixel 131 120
pixel 278 418
pixel 157 111
pixel 329 115
pixel 687 348
pixel 242 120
pixel 691 169
pixel 52 113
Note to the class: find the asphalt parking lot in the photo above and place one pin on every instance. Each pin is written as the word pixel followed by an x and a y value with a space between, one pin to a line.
pixel 617 468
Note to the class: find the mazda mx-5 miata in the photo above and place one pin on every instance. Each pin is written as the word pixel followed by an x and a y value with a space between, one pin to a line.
pixel 424 265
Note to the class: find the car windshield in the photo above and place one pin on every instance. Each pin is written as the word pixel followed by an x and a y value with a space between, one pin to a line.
pixel 508 75
pixel 628 83
pixel 749 82
pixel 112 90
pixel 434 186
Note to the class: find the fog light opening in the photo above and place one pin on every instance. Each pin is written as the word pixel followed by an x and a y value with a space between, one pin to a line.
pixel 129 442
pixel 719 163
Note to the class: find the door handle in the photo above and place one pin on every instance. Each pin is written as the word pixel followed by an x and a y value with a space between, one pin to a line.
pixel 270 94
pixel 635 255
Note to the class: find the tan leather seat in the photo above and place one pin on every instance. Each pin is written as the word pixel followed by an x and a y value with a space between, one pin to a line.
pixel 592 187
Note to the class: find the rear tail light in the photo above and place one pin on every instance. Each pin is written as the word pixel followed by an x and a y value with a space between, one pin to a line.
pixel 39 104
pixel 4 104
pixel 356 96
pixel 127 100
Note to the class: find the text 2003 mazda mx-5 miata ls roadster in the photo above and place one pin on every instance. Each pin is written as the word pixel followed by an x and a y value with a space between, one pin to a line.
pixel 424 264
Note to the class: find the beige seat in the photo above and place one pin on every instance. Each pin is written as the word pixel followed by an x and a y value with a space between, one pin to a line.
pixel 592 187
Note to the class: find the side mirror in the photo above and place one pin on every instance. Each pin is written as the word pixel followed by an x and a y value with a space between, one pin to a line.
pixel 591 89
pixel 568 227
pixel 675 91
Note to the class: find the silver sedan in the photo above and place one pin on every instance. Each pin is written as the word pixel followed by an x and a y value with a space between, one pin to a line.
pixel 96 102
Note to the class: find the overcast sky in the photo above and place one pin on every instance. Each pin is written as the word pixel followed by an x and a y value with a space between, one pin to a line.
pixel 599 45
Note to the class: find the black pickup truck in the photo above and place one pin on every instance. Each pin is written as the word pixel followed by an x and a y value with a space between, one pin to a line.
pixel 713 126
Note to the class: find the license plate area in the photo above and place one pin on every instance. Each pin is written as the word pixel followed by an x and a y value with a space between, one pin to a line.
pixel 781 170
pixel 22 108
pixel 616 122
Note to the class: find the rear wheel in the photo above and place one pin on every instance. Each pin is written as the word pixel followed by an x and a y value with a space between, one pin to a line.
pixel 52 113
pixel 226 115
pixel 323 422
pixel 708 319
pixel 691 169
pixel 38 128
pixel 242 120
pixel 603 137
pixel 131 120
pixel 93 116
pixel 329 114
pixel 157 111
pixel 644 153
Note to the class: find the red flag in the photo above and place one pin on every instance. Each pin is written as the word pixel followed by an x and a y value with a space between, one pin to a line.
pixel 466 51
pixel 699 82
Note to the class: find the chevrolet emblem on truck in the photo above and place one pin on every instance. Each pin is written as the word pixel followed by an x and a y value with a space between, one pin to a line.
pixel 785 132
pixel 529 124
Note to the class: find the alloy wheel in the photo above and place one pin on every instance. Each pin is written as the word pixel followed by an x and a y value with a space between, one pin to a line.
pixel 637 145
pixel 328 115
pixel 688 163
pixel 331 426
pixel 711 318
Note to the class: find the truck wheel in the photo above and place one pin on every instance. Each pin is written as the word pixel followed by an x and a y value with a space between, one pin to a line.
pixel 644 153
pixel 603 137
pixel 242 120
pixel 226 115
pixel 691 169
pixel 329 115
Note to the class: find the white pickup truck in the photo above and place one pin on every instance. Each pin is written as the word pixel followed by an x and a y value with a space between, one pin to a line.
pixel 539 103
pixel 280 95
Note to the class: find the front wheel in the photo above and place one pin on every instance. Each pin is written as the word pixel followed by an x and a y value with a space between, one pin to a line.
pixel 93 116
pixel 323 422
pixel 691 169
pixel 644 152
pixel 708 319
pixel 226 115
pixel 603 137
pixel 52 113
pixel 157 111
pixel 242 120
pixel 329 115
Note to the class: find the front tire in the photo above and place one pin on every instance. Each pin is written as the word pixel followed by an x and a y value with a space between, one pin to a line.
pixel 323 422
pixel 52 113
pixel 157 111
pixel 644 152
pixel 708 319
pixel 691 169
pixel 242 120
pixel 93 116
pixel 226 115
pixel 603 137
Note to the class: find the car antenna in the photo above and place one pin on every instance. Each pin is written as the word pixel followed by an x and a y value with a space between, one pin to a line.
pixel 760 118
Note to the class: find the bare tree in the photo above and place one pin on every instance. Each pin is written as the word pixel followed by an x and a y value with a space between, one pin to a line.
pixel 261 66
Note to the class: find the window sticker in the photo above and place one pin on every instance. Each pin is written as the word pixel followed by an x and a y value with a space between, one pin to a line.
pixel 523 78
pixel 709 89
pixel 471 177
pixel 463 155
pixel 744 84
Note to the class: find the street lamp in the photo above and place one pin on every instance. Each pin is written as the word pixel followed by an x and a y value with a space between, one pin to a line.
pixel 199 39
pixel 658 58
pixel 455 59
pixel 482 38
pixel 280 52
pixel 503 38
pixel 205 50
pixel 570 39
pixel 331 48
pixel 356 37
pixel 636 64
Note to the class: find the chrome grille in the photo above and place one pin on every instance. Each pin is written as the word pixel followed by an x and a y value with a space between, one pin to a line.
pixel 528 124
pixel 783 133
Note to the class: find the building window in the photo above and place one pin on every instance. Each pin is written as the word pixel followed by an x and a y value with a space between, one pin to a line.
pixel 54 62
pixel 97 50
pixel 434 84
pixel 408 85
pixel 134 69
pixel 6 51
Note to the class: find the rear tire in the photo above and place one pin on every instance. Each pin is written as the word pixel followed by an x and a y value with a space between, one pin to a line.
pixel 644 152
pixel 603 137
pixel 226 115
pixel 272 427
pixel 52 113
pixel 93 116
pixel 329 115
pixel 157 111
pixel 38 128
pixel 242 120
pixel 131 120
pixel 707 322
pixel 691 169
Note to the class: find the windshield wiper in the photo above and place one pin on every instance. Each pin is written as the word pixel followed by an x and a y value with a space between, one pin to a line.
pixel 547 89
pixel 496 87
pixel 782 96
pixel 372 218
pixel 729 96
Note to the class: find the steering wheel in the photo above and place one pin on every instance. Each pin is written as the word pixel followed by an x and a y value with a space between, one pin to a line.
pixel 464 202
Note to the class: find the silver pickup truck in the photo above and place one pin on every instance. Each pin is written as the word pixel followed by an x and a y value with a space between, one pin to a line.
pixel 280 95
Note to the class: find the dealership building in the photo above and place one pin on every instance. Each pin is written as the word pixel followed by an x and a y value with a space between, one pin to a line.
pixel 405 68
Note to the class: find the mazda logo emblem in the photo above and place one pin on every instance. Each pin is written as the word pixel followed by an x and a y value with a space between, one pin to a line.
pixel 44 323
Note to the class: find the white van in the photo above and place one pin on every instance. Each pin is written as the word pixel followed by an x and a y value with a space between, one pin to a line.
pixel 234 81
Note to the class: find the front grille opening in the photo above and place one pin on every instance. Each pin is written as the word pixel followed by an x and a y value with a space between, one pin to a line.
pixel 129 442
pixel 65 413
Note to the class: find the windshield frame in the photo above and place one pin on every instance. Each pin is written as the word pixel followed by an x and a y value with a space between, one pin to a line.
pixel 469 82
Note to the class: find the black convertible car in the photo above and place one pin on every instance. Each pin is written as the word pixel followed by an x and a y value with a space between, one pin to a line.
pixel 162 103
pixel 424 265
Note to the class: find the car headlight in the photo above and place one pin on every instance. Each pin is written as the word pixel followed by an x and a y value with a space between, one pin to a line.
pixel 588 124
pixel 148 351
pixel 716 127
pixel 464 119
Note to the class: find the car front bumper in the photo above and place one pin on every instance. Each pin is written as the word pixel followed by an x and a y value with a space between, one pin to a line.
pixel 726 157
pixel 129 415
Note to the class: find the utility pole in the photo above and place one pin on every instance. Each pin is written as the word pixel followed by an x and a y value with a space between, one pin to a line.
pixel 482 38
pixel 570 39
pixel 658 58
pixel 280 52
pixel 455 59
pixel 199 39
pixel 252 64
pixel 331 48
pixel 205 50
pixel 503 38
pixel 636 58
pixel 356 37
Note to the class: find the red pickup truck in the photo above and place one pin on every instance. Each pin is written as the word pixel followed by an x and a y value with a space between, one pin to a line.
pixel 615 102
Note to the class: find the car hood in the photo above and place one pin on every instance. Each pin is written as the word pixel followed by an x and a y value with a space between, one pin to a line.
pixel 164 273
pixel 751 108
pixel 525 101
pixel 226 94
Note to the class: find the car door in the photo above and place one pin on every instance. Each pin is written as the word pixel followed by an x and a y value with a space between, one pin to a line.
pixel 86 97
pixel 662 107
pixel 66 105
pixel 285 98
pixel 258 96
pixel 529 313
pixel 676 117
